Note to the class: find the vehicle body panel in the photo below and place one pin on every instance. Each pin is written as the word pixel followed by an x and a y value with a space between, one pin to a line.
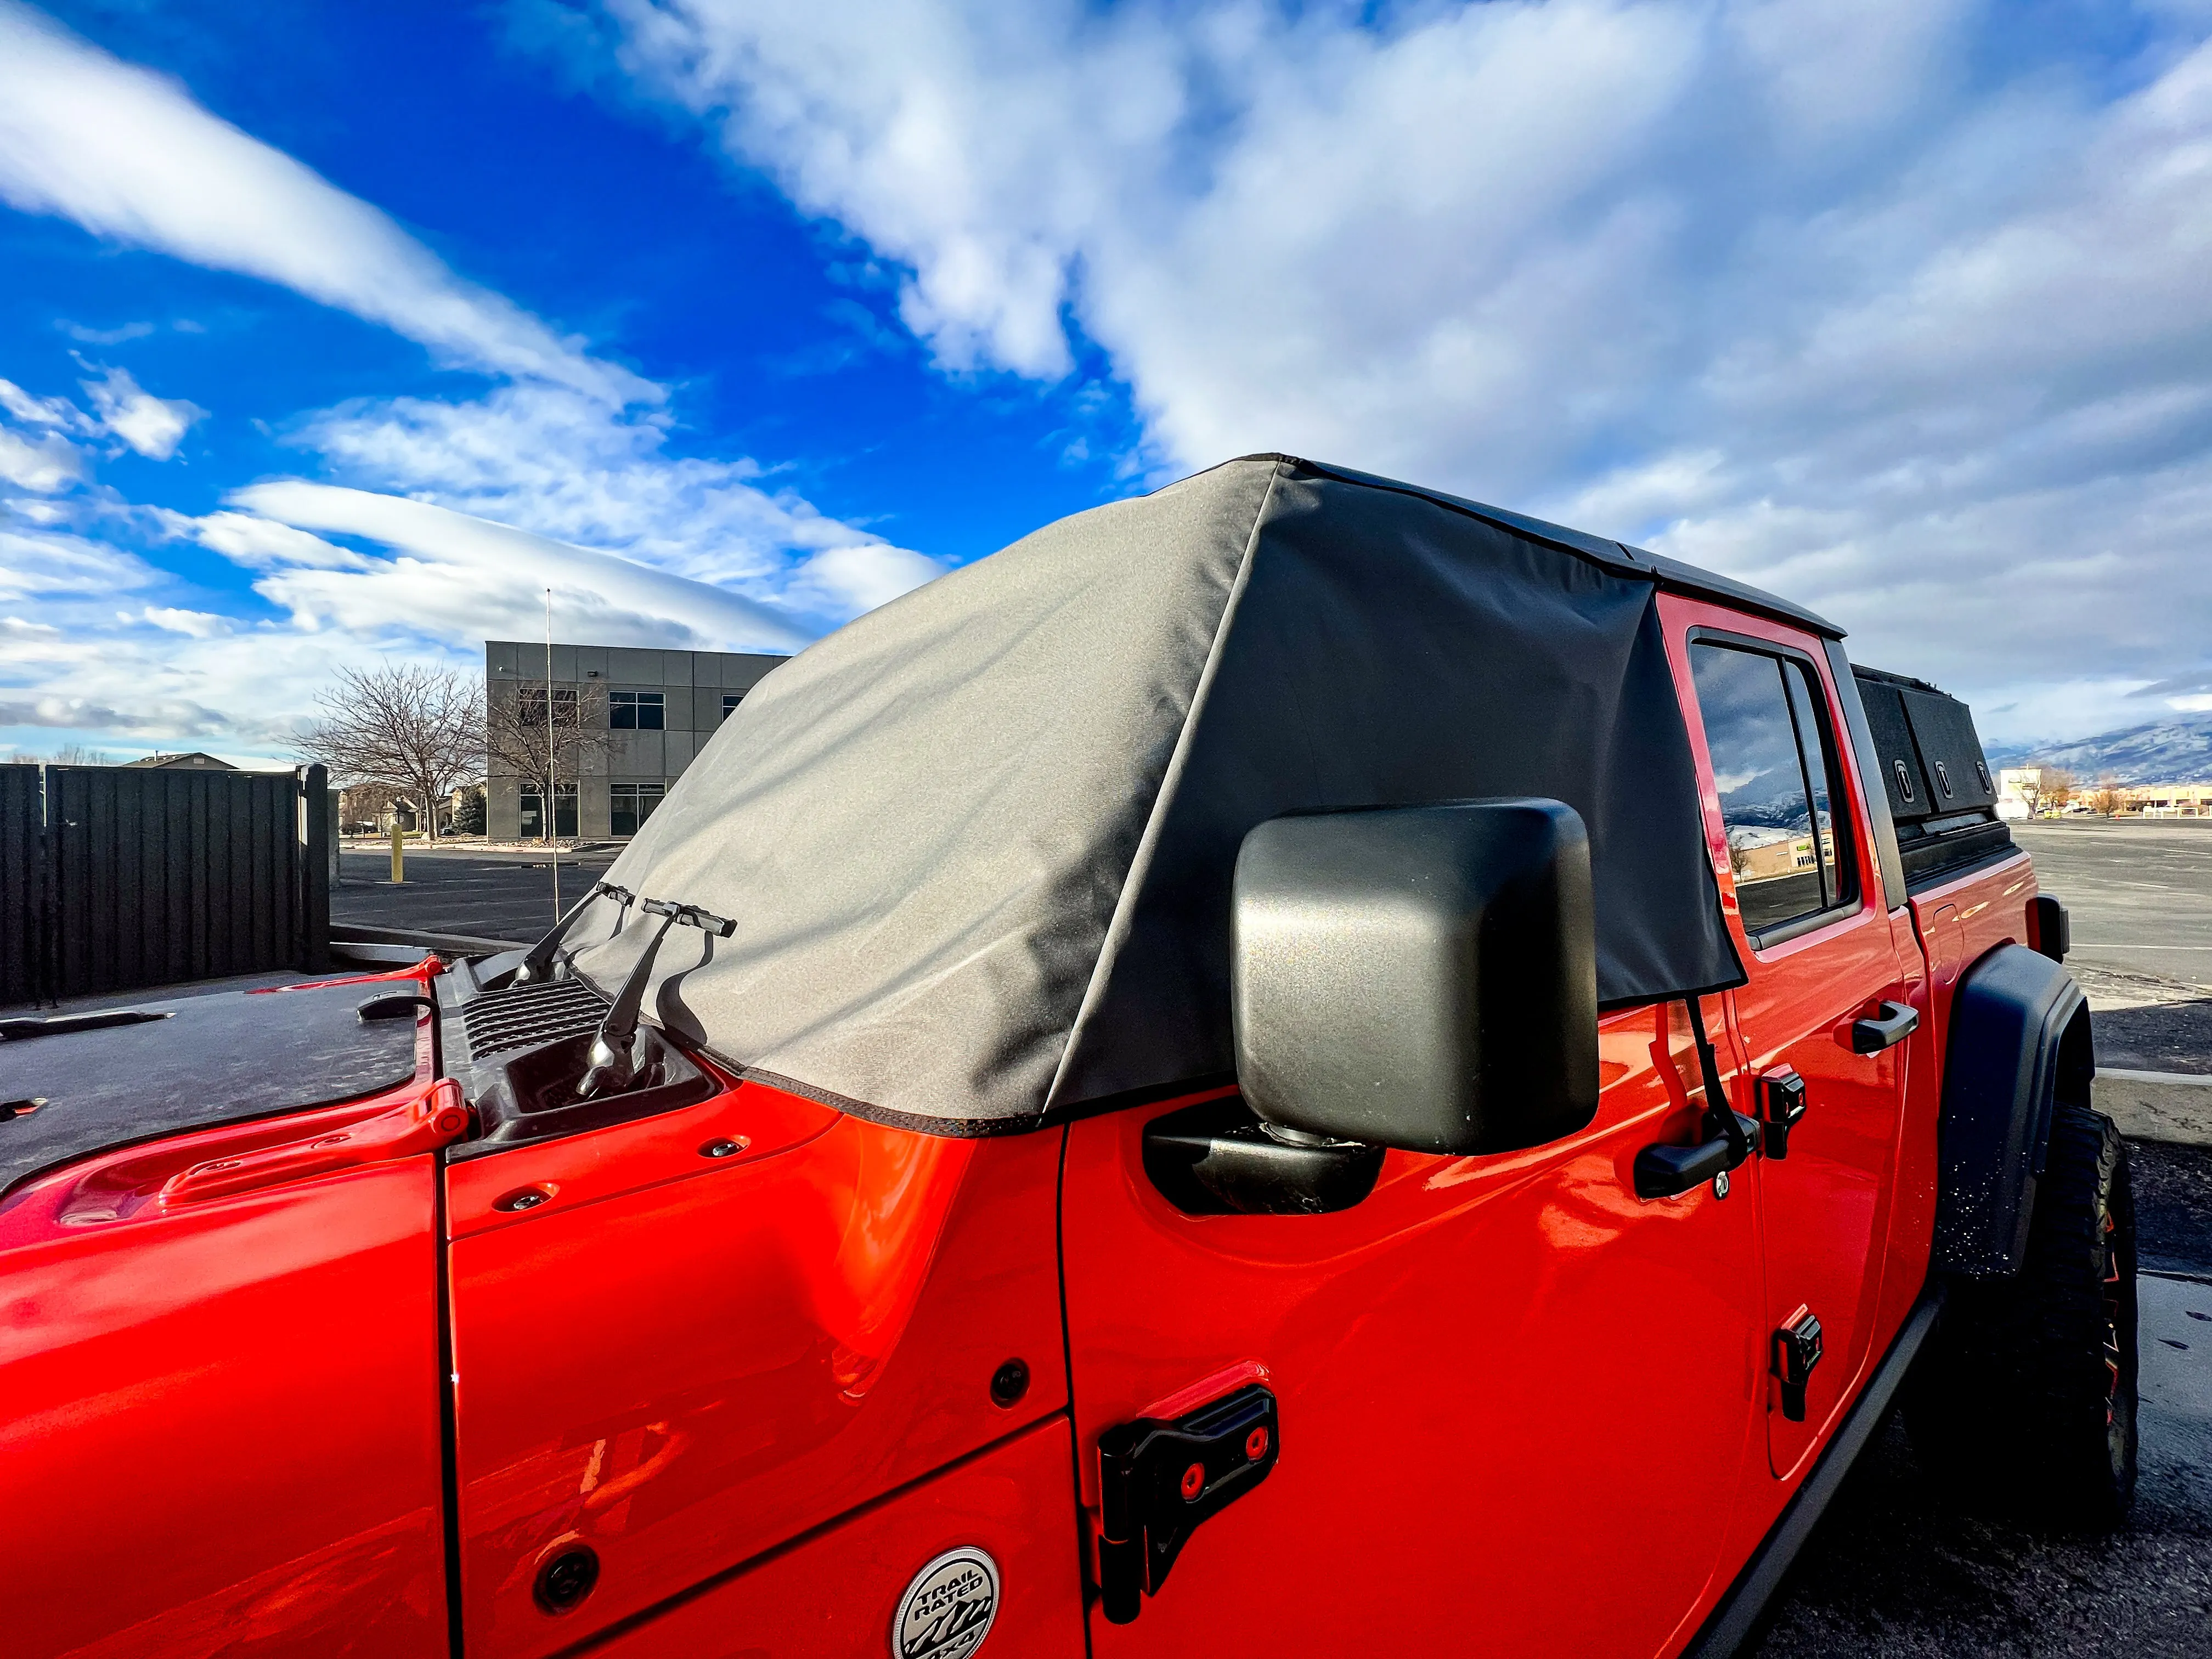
pixel 1515 1400
pixel 683 1361
pixel 833 1594
pixel 223 1415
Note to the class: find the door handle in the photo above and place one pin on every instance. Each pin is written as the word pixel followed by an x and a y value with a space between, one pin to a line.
pixel 1896 1022
pixel 1665 1171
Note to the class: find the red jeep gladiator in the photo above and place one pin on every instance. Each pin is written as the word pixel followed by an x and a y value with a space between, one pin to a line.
pixel 1294 1065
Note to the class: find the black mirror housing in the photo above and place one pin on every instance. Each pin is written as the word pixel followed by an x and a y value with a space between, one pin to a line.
pixel 1423 977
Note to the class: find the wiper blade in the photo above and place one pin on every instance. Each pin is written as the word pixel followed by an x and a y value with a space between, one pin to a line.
pixel 613 1060
pixel 538 964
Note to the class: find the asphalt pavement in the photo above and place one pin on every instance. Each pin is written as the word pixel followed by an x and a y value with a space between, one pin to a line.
pixel 1895 1570
pixel 473 893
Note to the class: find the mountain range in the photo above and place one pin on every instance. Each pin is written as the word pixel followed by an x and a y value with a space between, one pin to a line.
pixel 2174 750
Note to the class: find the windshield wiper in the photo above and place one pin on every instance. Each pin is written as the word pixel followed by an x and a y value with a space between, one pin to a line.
pixel 613 1060
pixel 538 964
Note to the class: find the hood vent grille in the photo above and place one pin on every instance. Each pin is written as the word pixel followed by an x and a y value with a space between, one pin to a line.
pixel 524 1016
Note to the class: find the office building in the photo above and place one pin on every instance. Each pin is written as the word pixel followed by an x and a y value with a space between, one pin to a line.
pixel 641 717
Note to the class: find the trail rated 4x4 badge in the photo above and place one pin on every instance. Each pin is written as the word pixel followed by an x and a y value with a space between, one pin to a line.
pixel 947 1610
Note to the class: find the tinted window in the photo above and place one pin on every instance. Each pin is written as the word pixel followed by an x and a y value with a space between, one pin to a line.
pixel 1774 763
pixel 636 711
pixel 630 804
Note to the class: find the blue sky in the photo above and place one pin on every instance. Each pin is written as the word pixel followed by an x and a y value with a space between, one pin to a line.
pixel 342 331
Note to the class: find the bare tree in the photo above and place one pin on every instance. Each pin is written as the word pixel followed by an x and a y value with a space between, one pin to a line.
pixel 2108 799
pixel 2058 790
pixel 547 742
pixel 411 727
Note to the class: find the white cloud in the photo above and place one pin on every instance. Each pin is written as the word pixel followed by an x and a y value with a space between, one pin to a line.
pixel 45 464
pixel 1802 288
pixel 196 624
pixel 152 426
pixel 263 545
pixel 548 461
pixel 40 563
pixel 862 576
pixel 56 412
pixel 129 156
pixel 465 578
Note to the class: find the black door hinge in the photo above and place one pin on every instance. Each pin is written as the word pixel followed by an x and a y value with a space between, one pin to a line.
pixel 1796 1351
pixel 1781 1104
pixel 1159 1479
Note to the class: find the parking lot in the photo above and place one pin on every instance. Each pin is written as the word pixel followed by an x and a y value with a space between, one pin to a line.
pixel 473 893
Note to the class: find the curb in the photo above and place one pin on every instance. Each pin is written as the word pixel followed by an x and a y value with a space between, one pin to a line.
pixel 2172 1107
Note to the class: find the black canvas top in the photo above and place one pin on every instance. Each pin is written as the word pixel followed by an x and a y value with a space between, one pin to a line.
pixel 978 843
pixel 208 1060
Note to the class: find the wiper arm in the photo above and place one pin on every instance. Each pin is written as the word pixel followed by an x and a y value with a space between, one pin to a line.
pixel 538 964
pixel 612 1058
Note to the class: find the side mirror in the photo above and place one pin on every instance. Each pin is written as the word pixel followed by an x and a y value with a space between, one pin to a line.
pixel 1423 977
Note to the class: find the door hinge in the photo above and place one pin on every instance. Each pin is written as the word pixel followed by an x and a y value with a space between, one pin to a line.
pixel 1796 1351
pixel 1781 1104
pixel 1159 1478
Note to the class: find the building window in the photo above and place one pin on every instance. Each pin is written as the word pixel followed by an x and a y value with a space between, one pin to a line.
pixel 531 709
pixel 632 804
pixel 636 711
pixel 533 808
pixel 730 701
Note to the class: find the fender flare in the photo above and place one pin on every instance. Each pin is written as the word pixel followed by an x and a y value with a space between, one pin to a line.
pixel 2019 1043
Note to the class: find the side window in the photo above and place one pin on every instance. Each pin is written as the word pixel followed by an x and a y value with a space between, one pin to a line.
pixel 1774 761
pixel 636 711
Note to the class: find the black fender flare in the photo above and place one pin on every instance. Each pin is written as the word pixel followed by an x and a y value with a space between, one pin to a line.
pixel 2019 1043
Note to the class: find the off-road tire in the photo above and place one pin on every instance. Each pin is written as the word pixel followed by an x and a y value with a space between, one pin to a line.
pixel 2024 1401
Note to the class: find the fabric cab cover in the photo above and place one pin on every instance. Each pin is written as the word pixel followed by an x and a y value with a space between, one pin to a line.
pixel 978 843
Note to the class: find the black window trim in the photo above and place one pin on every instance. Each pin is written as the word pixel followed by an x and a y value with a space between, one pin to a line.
pixel 1831 756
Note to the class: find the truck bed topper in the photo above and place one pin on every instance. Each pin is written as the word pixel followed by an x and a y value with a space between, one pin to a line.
pixel 978 843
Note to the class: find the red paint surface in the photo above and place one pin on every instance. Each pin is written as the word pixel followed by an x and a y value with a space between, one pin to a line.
pixel 221 1433
pixel 1516 1401
pixel 684 1362
pixel 833 1597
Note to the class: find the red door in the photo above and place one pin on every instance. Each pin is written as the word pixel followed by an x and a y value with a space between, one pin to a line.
pixel 1804 903
pixel 1514 1401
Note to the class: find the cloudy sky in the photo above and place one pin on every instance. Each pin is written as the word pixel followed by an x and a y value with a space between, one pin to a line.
pixel 341 331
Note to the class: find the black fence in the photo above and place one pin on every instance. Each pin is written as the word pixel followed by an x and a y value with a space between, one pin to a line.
pixel 112 877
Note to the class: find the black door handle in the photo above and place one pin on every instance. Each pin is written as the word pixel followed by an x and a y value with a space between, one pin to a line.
pixel 1896 1023
pixel 1665 1171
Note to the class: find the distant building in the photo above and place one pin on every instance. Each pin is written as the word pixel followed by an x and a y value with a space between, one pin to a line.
pixel 657 708
pixel 2018 786
pixel 195 762
pixel 2169 800
pixel 374 808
